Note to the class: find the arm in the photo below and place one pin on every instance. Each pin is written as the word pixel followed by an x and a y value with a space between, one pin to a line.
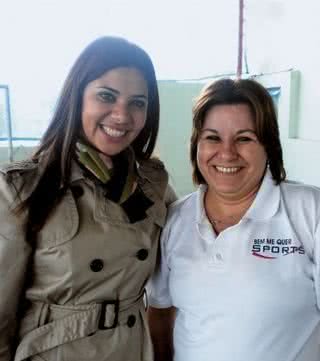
pixel 162 313
pixel 161 322
pixel 14 254
pixel 316 260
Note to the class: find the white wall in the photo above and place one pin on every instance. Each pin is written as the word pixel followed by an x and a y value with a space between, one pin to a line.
pixel 282 40
pixel 279 35
pixel 283 35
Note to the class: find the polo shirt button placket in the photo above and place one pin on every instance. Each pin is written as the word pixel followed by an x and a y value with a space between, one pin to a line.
pixel 218 258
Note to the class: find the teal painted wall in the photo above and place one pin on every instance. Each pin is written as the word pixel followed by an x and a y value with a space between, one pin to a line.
pixel 19 153
pixel 176 99
pixel 175 131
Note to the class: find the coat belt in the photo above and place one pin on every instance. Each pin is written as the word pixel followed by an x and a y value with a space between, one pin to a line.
pixel 69 323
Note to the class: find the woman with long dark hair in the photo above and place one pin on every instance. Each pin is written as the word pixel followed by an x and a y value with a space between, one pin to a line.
pixel 80 220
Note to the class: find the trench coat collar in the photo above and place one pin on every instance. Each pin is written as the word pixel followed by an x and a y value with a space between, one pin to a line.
pixel 76 173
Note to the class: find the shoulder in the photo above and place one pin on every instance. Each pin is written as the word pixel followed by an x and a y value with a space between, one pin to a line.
pixel 16 175
pixel 152 165
pixel 299 192
pixel 154 175
pixel 18 168
pixel 302 202
pixel 170 195
pixel 183 207
pixel 180 221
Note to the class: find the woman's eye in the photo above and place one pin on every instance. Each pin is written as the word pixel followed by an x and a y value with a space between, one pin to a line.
pixel 107 97
pixel 212 138
pixel 139 103
pixel 244 139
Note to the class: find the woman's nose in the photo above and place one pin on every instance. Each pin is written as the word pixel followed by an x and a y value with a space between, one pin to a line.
pixel 120 113
pixel 228 151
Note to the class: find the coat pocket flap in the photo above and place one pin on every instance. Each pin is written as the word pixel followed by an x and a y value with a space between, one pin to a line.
pixel 62 224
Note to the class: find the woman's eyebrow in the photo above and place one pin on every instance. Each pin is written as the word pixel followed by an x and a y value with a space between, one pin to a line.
pixel 139 96
pixel 109 89
pixel 117 92
pixel 210 130
pixel 238 132
pixel 246 130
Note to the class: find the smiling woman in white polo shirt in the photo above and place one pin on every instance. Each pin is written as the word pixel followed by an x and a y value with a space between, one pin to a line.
pixel 240 257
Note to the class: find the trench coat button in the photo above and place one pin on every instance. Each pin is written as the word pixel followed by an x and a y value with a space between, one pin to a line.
pixel 131 321
pixel 96 265
pixel 142 254
pixel 77 191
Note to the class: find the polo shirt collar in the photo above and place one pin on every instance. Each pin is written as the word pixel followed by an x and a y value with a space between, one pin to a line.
pixel 199 209
pixel 267 200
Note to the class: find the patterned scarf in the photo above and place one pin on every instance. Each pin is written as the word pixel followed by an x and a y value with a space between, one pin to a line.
pixel 90 159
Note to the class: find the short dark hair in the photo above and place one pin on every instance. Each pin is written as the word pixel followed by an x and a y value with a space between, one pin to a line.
pixel 240 91
pixel 100 56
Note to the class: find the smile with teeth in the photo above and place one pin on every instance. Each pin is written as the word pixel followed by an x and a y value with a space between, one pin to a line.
pixel 113 132
pixel 227 169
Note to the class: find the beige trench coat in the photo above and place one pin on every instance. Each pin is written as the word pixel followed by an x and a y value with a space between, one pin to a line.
pixel 90 266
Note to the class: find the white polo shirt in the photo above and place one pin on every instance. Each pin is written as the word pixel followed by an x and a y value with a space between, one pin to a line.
pixel 252 293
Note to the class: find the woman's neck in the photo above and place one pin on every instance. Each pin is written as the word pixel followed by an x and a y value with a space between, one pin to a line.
pixel 224 212
pixel 106 160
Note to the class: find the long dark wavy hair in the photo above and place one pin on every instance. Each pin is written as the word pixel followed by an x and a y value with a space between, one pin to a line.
pixel 57 146
pixel 240 91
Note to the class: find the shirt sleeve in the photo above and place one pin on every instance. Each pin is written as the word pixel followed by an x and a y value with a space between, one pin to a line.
pixel 317 263
pixel 158 285
pixel 14 254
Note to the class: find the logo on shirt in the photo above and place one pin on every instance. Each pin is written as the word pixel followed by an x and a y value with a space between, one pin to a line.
pixel 271 248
